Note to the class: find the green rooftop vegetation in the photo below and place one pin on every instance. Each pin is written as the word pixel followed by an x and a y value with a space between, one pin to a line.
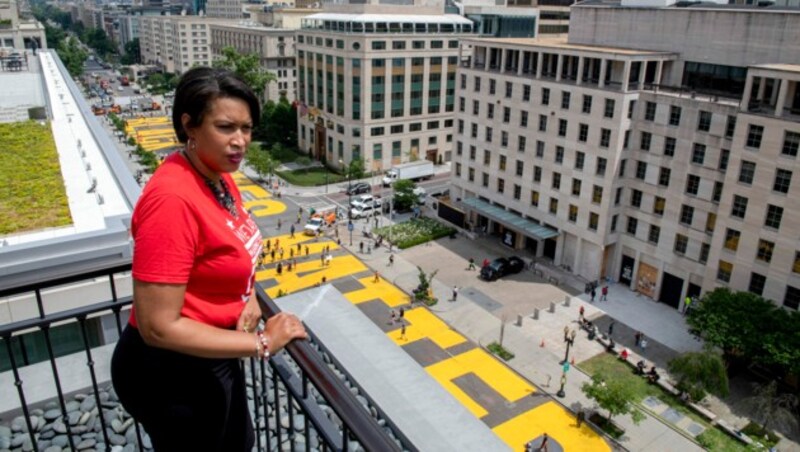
pixel 32 194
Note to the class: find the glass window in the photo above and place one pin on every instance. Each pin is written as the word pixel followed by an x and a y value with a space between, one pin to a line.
pixel 650 111
pixel 553 206
pixel 576 187
pixel 583 132
pixel 605 137
pixel 765 250
pixel 597 194
pixel 565 98
pixel 730 126
pixel 545 96
pixel 687 214
pixel 636 198
pixel 580 159
pixel 724 271
pixel 774 216
pixel 562 127
pixel 681 243
pixel 705 249
pixel 732 237
pixel 654 234
pixel 537 174
pixel 739 208
pixel 641 170
pixel 669 146
pixel 602 163
pixel 792 298
pixel 526 93
pixel 724 158
pixel 633 224
pixel 747 172
pixel 754 135
pixel 658 205
pixel 559 154
pixel 556 182
pixel 783 180
pixel 587 104
pixel 594 219
pixel 644 141
pixel 663 176
pixel 698 153
pixel 692 184
pixel 608 111
pixel 534 198
pixel 791 143
pixel 573 213
pixel 674 115
pixel 704 121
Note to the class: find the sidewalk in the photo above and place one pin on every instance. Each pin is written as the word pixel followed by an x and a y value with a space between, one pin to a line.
pixel 539 365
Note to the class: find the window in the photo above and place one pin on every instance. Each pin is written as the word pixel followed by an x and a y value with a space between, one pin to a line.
pixel 705 248
pixel 791 143
pixel 704 121
pixel 580 159
pixel 687 214
pixel 674 115
pixel 613 223
pixel 583 132
pixel 633 224
pixel 594 219
pixel 774 216
pixel 732 237
pixel 669 146
pixel 565 98
pixel 692 184
pixel 534 198
pixel 765 250
pixel 562 127
pixel 517 192
pixel 622 165
pixel 649 111
pixel 489 133
pixel 537 174
pixel 378 45
pixel 501 185
pixel 747 172
pixel 559 154
pixel 792 297
pixel 502 163
pixel 711 222
pixel 472 152
pixel 663 176
pixel 476 108
pixel 506 114
pixel 521 143
pixel 459 148
pixel 681 242
pixel 631 107
pixel 739 208
pixel 627 139
pixel 487 157
pixel 376 131
pixel 641 170
pixel 602 163
pixel 754 134
pixel 553 206
pixel 545 96
pixel 783 179
pixel 587 104
pixel 520 167
pixel 526 93
pixel 523 119
pixel 418 44
pixel 618 196
pixel 556 182
pixel 716 196
pixel 605 137
pixel 597 194
pixel 644 141
pixel 636 198
pixel 608 111
pixel 698 153
pixel 398 45
pixel 489 109
pixel 658 205
pixel 573 213
pixel 576 187
pixel 542 123
pixel 509 89
pixel 724 271
pixel 485 180
pixel 477 84
pixel 730 126
pixel 724 158
pixel 471 175
pixel 654 234
pixel 492 86
pixel 504 139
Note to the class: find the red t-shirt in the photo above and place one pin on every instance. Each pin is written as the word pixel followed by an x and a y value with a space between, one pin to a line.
pixel 182 235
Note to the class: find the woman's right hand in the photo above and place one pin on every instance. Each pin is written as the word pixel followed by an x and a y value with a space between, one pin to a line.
pixel 282 329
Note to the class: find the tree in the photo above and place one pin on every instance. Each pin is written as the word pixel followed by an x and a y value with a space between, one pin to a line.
pixel 132 52
pixel 97 39
pixel 303 162
pixel 72 55
pixel 613 395
pixel 278 123
pixel 404 196
pixel 700 372
pixel 746 326
pixel 355 170
pixel 260 160
pixel 423 292
pixel 771 409
pixel 247 67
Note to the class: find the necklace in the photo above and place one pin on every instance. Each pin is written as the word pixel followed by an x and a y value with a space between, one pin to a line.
pixel 223 197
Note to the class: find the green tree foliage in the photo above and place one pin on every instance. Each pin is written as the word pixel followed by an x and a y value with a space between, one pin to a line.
pixel 132 52
pixel 303 162
pixel 247 67
pixel 278 123
pixel 613 396
pixel 772 409
pixel 356 169
pixel 72 55
pixel 404 197
pixel 699 373
pixel 98 40
pixel 54 36
pixel 748 327
pixel 260 160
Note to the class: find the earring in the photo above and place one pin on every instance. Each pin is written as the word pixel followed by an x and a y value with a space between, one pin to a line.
pixel 192 144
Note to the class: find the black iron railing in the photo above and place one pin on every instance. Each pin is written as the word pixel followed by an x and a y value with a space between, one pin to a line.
pixel 298 385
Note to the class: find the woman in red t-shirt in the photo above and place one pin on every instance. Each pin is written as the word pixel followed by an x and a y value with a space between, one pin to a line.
pixel 176 368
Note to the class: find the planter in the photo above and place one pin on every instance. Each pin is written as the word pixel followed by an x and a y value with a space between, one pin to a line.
pixel 611 428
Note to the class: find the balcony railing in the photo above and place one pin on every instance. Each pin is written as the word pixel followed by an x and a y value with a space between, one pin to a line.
pixel 299 385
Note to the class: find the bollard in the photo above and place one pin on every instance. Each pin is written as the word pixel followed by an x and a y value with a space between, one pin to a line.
pixel 567 298
pixel 535 315
pixel 552 307
pixel 519 320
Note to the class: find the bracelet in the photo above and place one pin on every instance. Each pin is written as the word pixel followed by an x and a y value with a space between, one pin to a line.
pixel 262 345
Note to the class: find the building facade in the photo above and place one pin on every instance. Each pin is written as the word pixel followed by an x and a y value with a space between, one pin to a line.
pixel 669 170
pixel 377 83
pixel 176 43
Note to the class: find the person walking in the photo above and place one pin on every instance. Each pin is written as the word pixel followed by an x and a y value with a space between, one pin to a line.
pixel 361 247
pixel 581 310
pixel 544 444
pixel 686 303
pixel 393 314
pixel 471 264
pixel 328 259
pixel 580 417
pixel 291 232
pixel 643 344
pixel 455 293
pixel 377 277
pixel 402 313
pixel 594 293
pixel 611 328
pixel 299 248
pixel 391 260
pixel 279 269
pixel 637 338
pixel 307 250
pixel 403 332
pixel 279 224
pixel 604 293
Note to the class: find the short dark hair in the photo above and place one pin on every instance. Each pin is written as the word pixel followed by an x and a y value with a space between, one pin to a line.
pixel 199 87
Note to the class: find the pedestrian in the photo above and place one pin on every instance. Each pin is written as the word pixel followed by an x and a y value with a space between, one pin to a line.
pixel 268 244
pixel 279 224
pixel 391 260
pixel 543 445
pixel 279 269
pixel 455 293
pixel 581 416
pixel 572 335
pixel 299 217
pixel 580 314
pixel 594 293
pixel 289 266
pixel 566 333
pixel 643 344
pixel 299 249
pixel 291 253
pixel 471 264
pixel 272 254
pixel 369 248
pixel 403 332
pixel 377 277
pixel 277 242
pixel 307 250
pixel 402 312
pixel 322 259
pixel 611 328
pixel 328 259
pixel 604 293
pixel 394 317
pixel 637 338
pixel 361 247
pixel 686 303
pixel 485 263
pixel 280 252
pixel 324 279
pixel 291 232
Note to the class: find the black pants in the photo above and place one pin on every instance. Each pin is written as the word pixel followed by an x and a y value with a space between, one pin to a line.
pixel 183 402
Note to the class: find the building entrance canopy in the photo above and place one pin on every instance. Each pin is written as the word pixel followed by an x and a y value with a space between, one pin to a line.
pixel 510 219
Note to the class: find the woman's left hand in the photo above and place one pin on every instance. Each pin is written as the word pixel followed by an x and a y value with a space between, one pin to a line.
pixel 250 316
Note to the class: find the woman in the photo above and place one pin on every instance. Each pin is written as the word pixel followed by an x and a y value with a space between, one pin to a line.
pixel 176 368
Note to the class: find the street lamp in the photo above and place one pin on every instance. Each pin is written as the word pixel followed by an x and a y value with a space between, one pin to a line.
pixel 570 341
pixel 349 195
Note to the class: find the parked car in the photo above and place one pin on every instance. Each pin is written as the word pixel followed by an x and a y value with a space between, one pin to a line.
pixel 365 200
pixel 364 210
pixel 359 188
pixel 501 267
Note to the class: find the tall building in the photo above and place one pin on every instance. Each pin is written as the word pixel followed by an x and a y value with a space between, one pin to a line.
pixel 653 146
pixel 224 9
pixel 19 33
pixel 376 82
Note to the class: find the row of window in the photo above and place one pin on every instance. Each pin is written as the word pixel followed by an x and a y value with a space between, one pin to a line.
pixel 579 160
pixel 791 298
pixel 704 118
pixel 395 44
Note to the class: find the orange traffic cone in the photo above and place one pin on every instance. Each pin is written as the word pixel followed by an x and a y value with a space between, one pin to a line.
pixel 572 361
pixel 542 343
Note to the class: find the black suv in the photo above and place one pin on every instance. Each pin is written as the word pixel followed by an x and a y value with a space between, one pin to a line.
pixel 358 188
pixel 501 267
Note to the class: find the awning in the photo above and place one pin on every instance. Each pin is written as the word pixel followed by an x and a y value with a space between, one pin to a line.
pixel 510 219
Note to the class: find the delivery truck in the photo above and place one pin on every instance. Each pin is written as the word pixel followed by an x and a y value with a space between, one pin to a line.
pixel 421 169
